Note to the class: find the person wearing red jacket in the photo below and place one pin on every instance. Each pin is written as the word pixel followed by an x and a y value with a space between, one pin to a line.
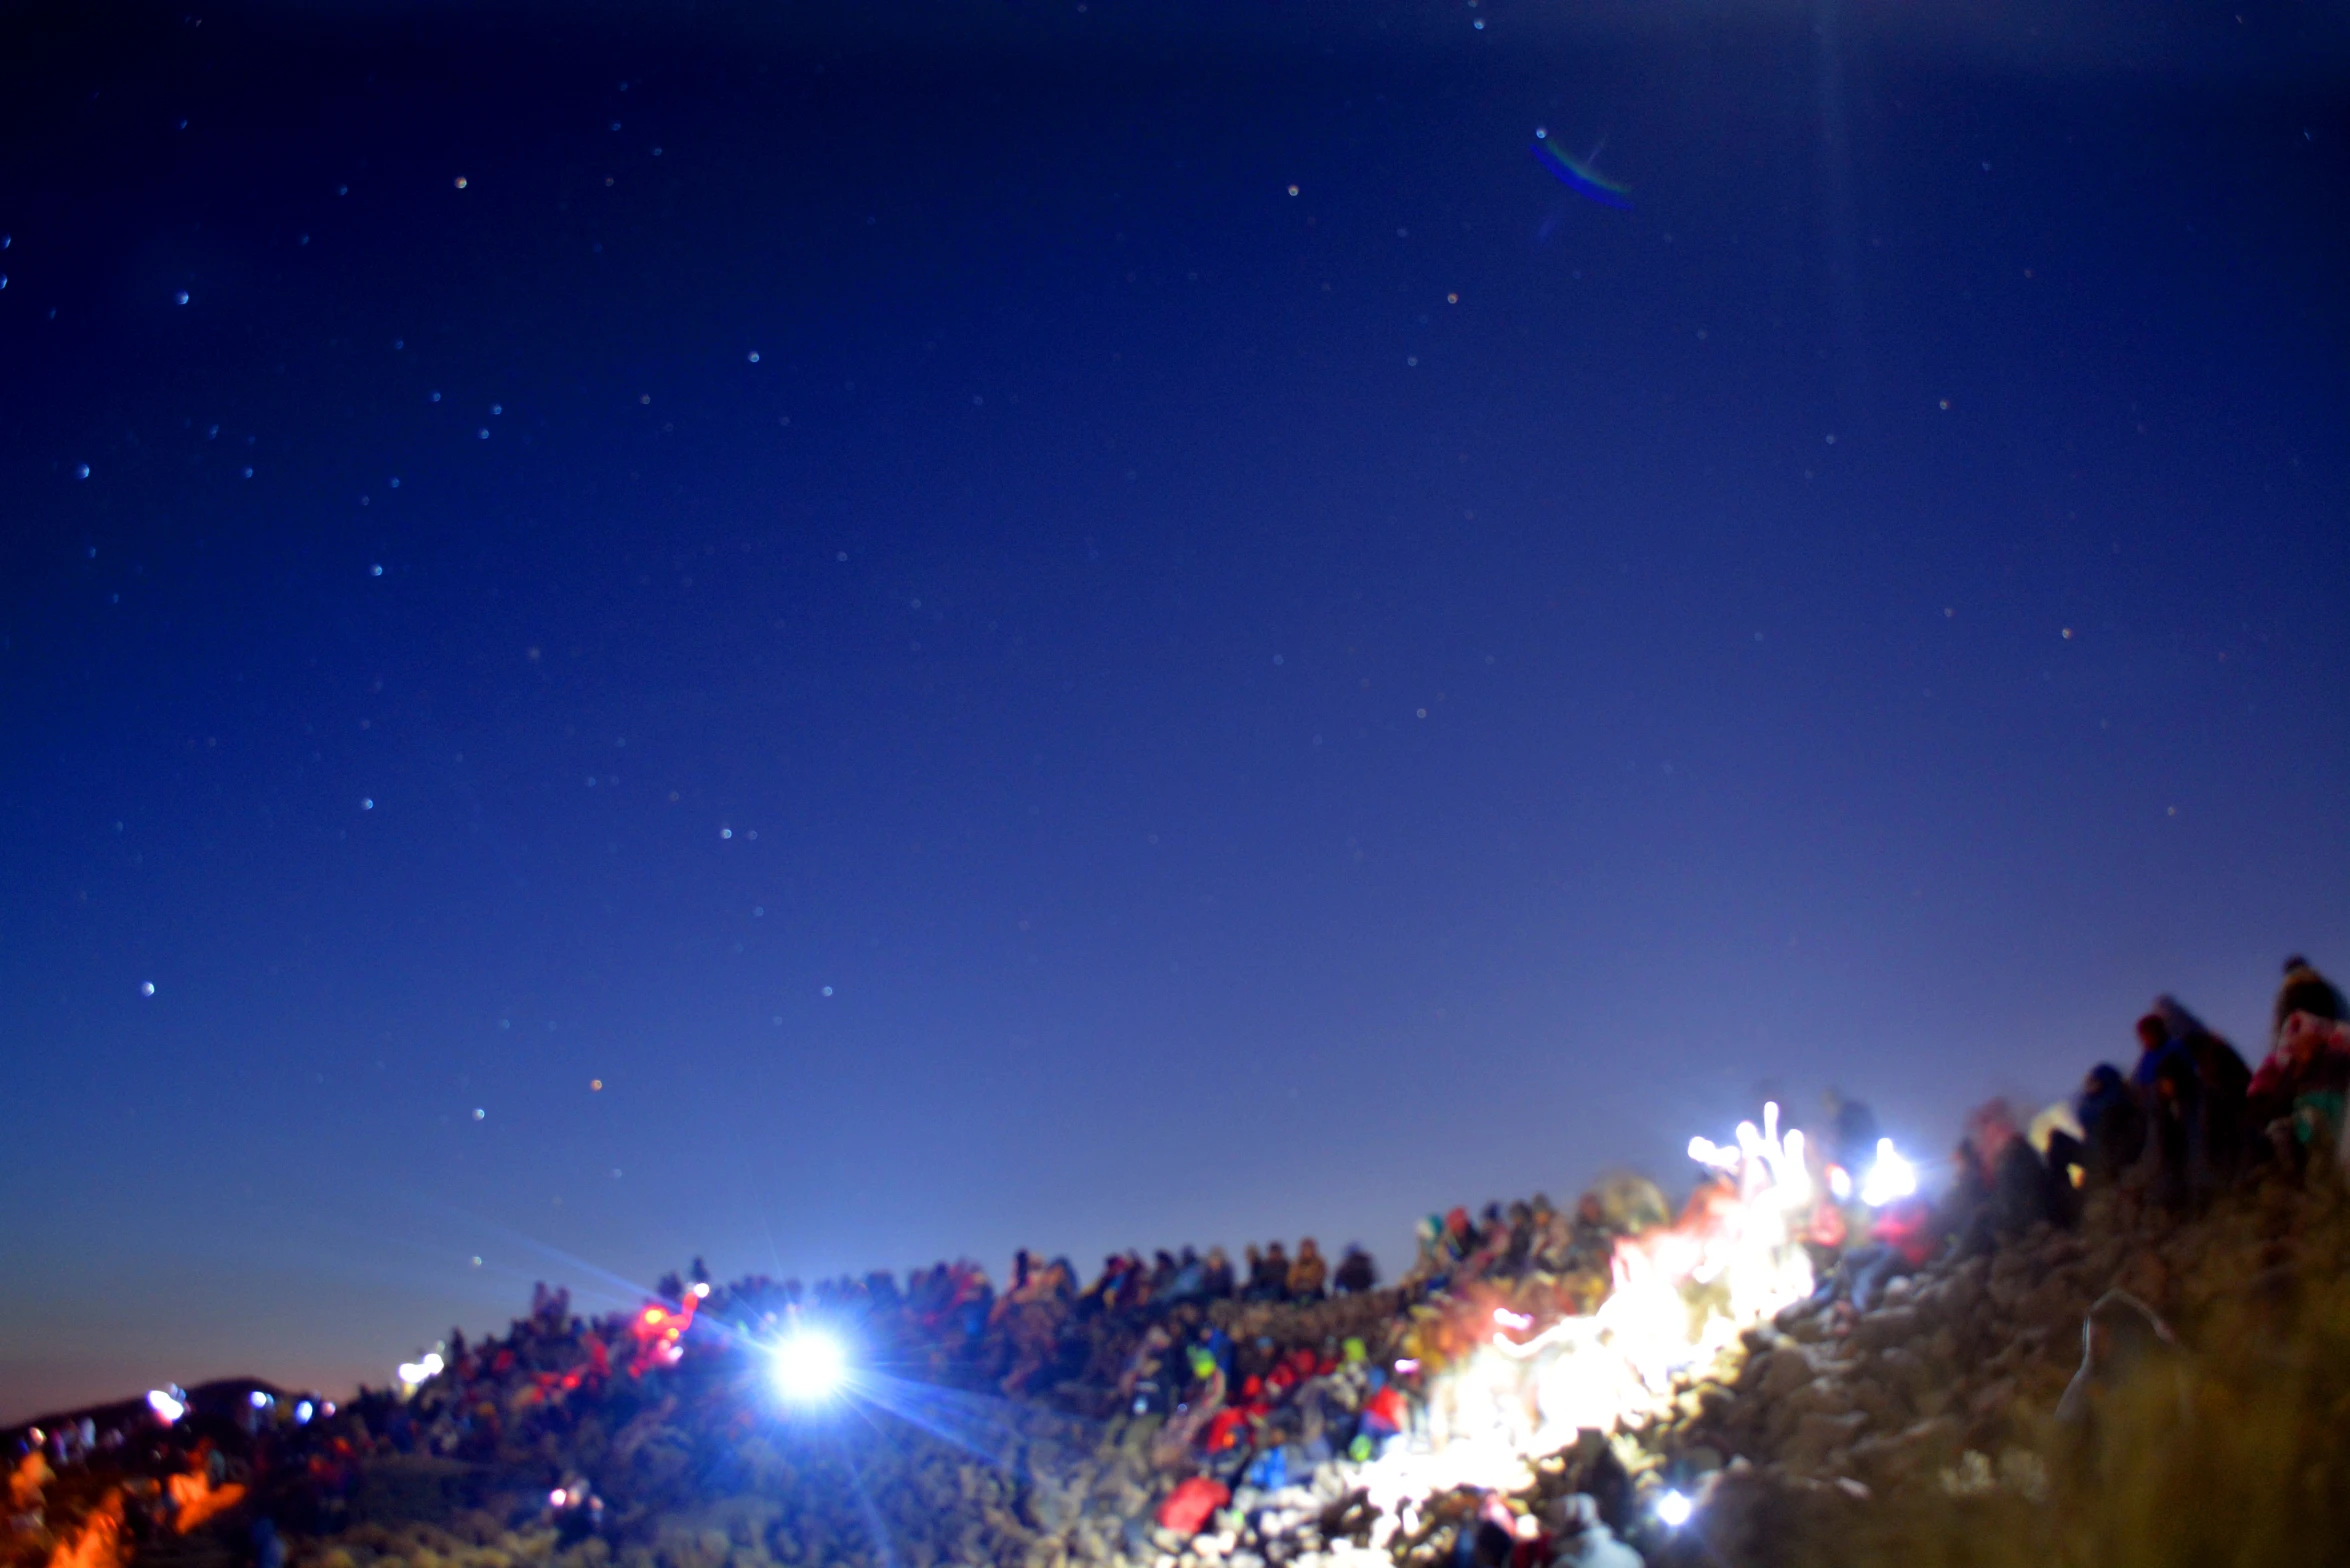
pixel 1903 1238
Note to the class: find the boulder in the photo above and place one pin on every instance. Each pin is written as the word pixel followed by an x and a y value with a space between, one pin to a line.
pixel 1818 1434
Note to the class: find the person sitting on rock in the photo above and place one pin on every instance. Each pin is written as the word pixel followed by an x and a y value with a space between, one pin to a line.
pixel 2003 1189
pixel 2156 1049
pixel 2214 1133
pixel 1356 1272
pixel 1593 1239
pixel 2297 1096
pixel 2112 1125
pixel 1269 1281
pixel 2223 1083
pixel 1309 1273
pixel 1102 1295
pixel 1903 1238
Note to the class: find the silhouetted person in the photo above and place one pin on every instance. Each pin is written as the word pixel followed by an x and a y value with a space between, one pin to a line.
pixel 2113 1127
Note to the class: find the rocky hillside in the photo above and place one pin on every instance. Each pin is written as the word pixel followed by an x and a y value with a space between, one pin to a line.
pixel 1970 1418
pixel 2138 1389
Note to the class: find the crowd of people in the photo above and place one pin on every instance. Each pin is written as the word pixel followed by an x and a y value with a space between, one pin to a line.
pixel 2185 1120
pixel 1241 1372
pixel 1043 1330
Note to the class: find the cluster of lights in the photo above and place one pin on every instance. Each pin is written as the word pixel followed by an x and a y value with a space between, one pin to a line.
pixel 1763 1159
pixel 1524 1393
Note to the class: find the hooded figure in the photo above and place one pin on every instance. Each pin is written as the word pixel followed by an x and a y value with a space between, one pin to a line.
pixel 2122 1340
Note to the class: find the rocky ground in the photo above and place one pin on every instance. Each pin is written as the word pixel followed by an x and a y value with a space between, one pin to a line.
pixel 1937 1429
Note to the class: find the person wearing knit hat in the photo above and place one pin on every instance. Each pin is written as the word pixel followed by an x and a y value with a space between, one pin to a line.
pixel 2305 991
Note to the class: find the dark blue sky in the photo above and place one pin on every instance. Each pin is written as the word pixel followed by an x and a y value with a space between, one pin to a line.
pixel 886 589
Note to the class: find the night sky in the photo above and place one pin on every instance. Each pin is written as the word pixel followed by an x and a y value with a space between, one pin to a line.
pixel 1114 624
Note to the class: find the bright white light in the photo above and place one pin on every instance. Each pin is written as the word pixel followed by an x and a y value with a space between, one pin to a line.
pixel 303 1413
pixel 701 1290
pixel 164 1405
pixel 809 1367
pixel 557 1498
pixel 1508 1319
pixel 1674 1509
pixel 258 1400
pixel 1715 1156
pixel 415 1374
pixel 1891 1177
pixel 1839 1182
